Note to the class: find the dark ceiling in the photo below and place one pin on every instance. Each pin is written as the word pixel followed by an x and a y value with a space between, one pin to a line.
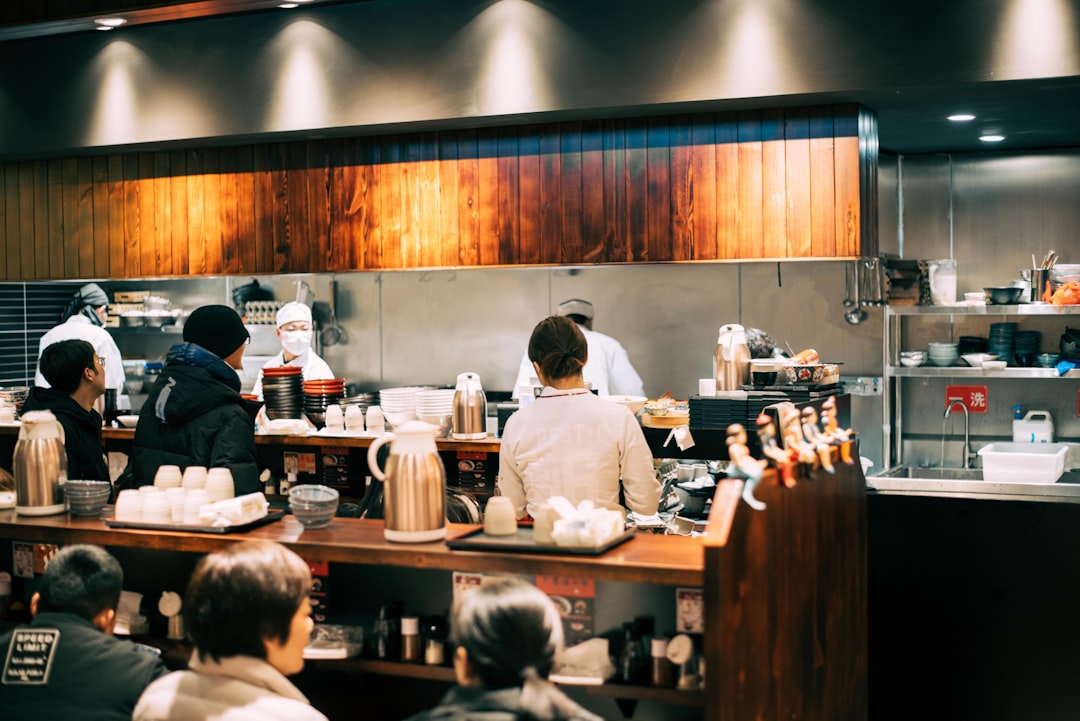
pixel 1032 114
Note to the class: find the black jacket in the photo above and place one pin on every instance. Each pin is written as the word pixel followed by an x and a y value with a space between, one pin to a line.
pixel 194 416
pixel 93 676
pixel 82 432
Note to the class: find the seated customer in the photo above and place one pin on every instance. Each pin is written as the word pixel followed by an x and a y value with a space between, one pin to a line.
pixel 505 634
pixel 248 613
pixel 87 673
pixel 194 415
pixel 569 442
pixel 76 374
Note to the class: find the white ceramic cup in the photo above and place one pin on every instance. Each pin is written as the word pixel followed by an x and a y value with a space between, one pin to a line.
pixel 194 477
pixel 176 503
pixel 335 418
pixel 499 517
pixel 129 505
pixel 194 499
pixel 684 472
pixel 354 418
pixel 706 387
pixel 156 508
pixel 543 524
pixel 219 484
pixel 168 477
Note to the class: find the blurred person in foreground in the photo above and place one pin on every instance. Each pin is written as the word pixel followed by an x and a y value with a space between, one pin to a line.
pixel 569 442
pixel 248 612
pixel 85 672
pixel 609 371
pixel 84 319
pixel 76 375
pixel 294 330
pixel 194 415
pixel 505 636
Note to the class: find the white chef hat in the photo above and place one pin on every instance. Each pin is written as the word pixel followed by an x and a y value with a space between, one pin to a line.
pixel 293 311
pixel 575 306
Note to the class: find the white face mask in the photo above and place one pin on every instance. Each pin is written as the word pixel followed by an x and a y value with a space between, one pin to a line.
pixel 296 341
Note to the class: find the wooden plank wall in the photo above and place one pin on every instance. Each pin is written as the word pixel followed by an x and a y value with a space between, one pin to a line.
pixel 789 183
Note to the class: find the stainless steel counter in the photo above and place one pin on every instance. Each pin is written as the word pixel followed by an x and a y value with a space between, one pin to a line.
pixel 963 483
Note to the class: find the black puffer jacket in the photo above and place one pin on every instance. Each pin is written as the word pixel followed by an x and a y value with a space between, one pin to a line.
pixel 82 432
pixel 195 416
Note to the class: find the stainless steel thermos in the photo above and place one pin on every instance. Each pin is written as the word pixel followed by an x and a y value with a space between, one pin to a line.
pixel 40 465
pixel 469 421
pixel 415 484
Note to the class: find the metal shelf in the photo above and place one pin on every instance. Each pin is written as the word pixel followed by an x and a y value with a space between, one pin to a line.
pixel 986 309
pixel 967 372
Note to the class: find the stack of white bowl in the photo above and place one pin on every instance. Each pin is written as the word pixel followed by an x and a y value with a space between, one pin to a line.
pixel 436 406
pixel 398 404
pixel 943 354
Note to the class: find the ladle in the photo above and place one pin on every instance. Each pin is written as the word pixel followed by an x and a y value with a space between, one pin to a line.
pixel 333 333
pixel 848 302
pixel 856 315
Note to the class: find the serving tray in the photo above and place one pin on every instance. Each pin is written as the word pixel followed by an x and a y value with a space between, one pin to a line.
pixel 522 542
pixel 270 517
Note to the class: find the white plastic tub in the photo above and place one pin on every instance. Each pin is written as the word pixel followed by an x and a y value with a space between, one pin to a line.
pixel 1023 462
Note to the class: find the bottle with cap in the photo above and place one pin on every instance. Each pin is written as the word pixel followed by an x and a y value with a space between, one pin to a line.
pixel 410 639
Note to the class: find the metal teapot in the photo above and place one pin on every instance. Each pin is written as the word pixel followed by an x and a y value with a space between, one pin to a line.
pixel 40 465
pixel 732 358
pixel 469 422
pixel 415 483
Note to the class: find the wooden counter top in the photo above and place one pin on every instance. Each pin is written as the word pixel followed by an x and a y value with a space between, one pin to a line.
pixel 489 444
pixel 646 558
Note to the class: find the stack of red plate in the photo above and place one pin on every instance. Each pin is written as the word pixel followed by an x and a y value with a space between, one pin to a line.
pixel 320 394
pixel 283 391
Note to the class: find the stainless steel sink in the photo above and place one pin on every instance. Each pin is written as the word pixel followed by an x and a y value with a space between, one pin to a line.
pixel 935 474
pixel 969 483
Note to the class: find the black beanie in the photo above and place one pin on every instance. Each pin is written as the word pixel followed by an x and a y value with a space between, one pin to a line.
pixel 217 328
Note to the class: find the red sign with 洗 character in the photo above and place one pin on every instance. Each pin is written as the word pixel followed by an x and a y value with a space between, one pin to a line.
pixel 975 398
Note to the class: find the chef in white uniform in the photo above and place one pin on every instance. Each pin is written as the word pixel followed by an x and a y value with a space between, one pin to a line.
pixel 84 319
pixel 294 330
pixel 608 371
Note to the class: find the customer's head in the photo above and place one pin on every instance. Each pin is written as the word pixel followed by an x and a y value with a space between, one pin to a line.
pixel 65 364
pixel 505 632
pixel 558 348
pixel 251 599
pixel 83 580
pixel 220 330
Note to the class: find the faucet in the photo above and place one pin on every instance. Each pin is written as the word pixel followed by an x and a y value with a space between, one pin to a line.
pixel 969 456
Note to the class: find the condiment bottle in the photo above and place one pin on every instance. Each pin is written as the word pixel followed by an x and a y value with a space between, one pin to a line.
pixel 410 639
pixel 633 666
pixel 386 633
pixel 434 648
pixel 663 673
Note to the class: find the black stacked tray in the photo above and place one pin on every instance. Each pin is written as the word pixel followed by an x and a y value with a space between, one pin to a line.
pixel 284 394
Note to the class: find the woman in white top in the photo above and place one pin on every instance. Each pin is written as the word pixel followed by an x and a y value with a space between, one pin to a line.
pixel 294 330
pixel 84 319
pixel 568 442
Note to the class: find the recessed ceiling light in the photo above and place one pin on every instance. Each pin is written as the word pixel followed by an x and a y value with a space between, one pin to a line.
pixel 961 117
pixel 991 138
pixel 288 6
pixel 110 23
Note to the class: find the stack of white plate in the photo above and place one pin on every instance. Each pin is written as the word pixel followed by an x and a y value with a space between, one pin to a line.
pixel 436 407
pixel 398 404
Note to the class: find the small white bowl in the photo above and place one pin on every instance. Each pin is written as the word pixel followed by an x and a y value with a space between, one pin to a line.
pixel 976 360
pixel 911 362
pixel 992 364
pixel 128 421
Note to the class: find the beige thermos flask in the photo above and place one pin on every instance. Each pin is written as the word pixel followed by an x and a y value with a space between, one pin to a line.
pixel 469 420
pixel 732 358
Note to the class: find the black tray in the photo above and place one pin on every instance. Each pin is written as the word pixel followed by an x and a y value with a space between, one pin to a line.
pixel 270 517
pixel 522 542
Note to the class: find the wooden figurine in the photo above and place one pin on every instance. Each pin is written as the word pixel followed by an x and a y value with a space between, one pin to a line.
pixel 743 465
pixel 832 431
pixel 784 458
pixel 793 435
pixel 813 437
